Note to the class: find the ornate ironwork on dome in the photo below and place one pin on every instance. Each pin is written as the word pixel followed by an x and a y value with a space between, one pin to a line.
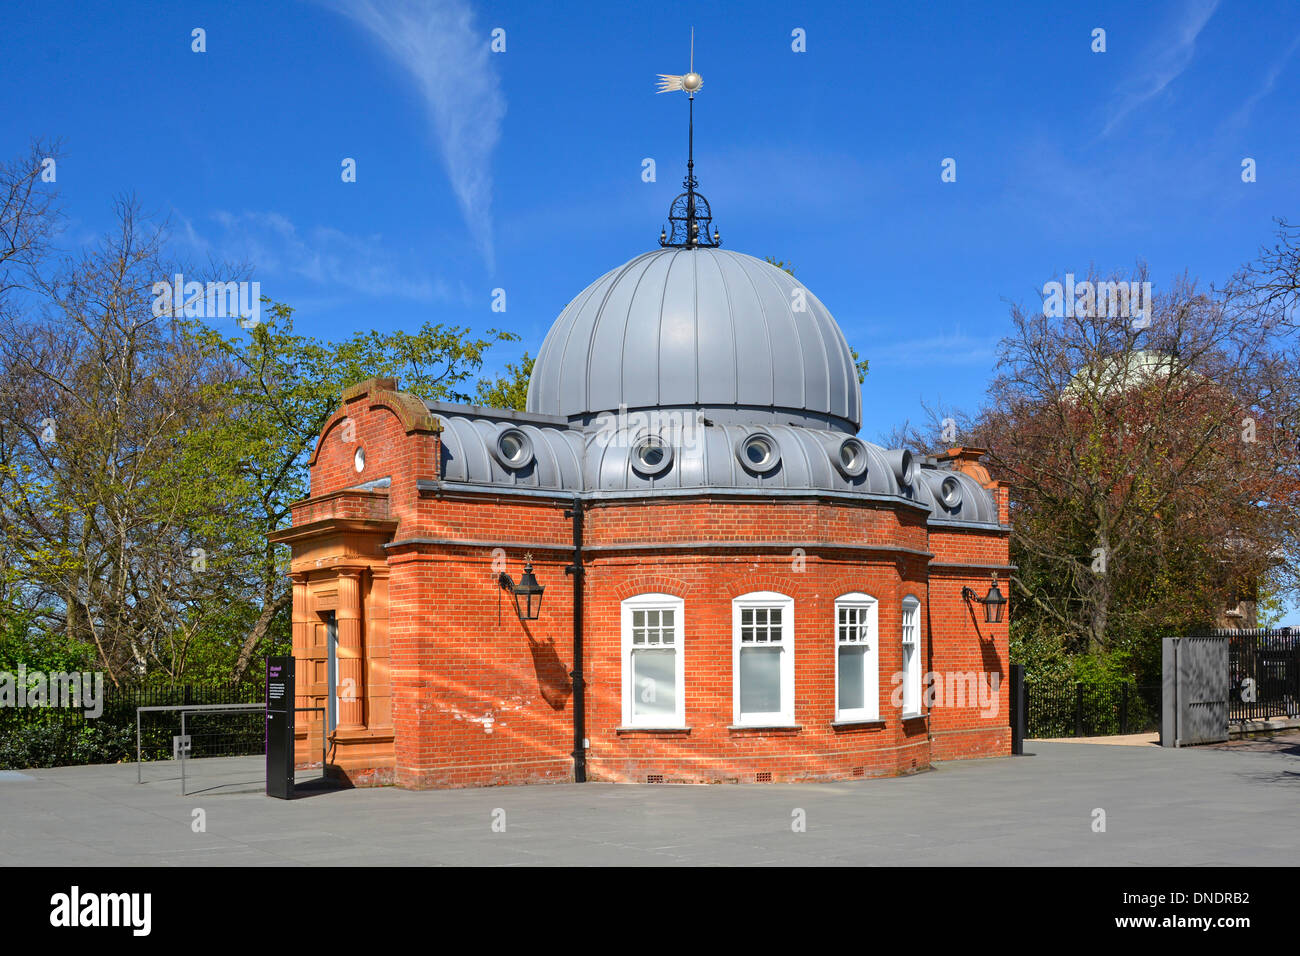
pixel 690 218
pixel 690 214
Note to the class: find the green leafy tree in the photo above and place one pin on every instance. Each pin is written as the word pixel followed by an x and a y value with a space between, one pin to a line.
pixel 100 392
pixel 509 390
pixel 281 390
pixel 144 456
pixel 1149 488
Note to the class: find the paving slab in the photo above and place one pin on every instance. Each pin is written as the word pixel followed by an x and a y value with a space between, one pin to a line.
pixel 1211 806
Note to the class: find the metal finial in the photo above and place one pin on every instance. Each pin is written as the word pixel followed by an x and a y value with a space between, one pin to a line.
pixel 690 81
pixel 689 215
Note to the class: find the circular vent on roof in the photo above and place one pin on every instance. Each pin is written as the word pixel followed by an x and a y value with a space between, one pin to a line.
pixel 651 455
pixel 513 448
pixel 758 452
pixel 950 493
pixel 851 459
pixel 902 465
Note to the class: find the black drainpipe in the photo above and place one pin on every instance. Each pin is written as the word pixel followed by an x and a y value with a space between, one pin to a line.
pixel 579 685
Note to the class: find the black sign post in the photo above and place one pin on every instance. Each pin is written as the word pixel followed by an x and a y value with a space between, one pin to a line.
pixel 1019 710
pixel 279 727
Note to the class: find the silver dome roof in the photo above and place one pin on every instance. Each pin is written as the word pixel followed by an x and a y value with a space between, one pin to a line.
pixel 701 328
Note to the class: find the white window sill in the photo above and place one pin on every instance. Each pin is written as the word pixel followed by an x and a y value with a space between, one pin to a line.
pixel 860 722
pixel 765 726
pixel 652 730
pixel 916 716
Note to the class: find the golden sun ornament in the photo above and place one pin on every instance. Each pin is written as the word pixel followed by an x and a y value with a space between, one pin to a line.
pixel 691 82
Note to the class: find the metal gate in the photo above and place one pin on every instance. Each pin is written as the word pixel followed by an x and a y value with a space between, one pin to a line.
pixel 1264 673
pixel 1195 691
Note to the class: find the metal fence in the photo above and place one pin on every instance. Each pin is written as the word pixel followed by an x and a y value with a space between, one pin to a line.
pixel 120 705
pixel 1077 710
pixel 1263 673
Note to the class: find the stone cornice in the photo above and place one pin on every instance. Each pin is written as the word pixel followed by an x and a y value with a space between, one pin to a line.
pixel 315 529
pixel 614 547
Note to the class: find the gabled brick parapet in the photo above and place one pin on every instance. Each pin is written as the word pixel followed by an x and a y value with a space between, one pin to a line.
pixel 364 472
pixel 413 414
pixel 380 439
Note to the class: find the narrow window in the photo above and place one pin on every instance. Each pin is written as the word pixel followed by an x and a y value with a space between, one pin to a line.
pixel 763 659
pixel 332 671
pixel 653 664
pixel 911 657
pixel 857 662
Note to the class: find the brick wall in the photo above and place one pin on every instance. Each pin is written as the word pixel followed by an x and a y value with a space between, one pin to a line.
pixel 480 698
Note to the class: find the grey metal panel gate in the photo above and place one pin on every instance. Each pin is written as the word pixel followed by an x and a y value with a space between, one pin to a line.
pixel 1195 691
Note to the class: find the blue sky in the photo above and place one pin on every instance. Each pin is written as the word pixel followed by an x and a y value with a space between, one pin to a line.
pixel 522 170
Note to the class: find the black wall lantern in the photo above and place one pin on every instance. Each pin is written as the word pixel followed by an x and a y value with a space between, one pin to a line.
pixel 527 594
pixel 994 602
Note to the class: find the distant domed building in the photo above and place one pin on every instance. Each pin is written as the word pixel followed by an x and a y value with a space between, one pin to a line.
pixel 731 585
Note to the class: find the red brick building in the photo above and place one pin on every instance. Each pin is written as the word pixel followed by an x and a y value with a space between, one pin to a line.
pixel 758 594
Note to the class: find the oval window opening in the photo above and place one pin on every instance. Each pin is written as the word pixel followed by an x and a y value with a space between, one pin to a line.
pixel 359 460
pixel 651 455
pixel 950 492
pixel 514 449
pixel 852 458
pixel 758 452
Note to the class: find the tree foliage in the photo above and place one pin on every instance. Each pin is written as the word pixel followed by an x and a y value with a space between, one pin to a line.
pixel 1151 488
pixel 282 388
pixel 146 453
pixel 509 390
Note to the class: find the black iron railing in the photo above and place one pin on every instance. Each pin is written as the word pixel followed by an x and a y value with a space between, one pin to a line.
pixel 57 735
pixel 1263 673
pixel 1078 710
pixel 119 703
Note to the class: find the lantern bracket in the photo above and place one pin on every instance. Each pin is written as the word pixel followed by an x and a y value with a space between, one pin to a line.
pixel 994 601
pixel 527 588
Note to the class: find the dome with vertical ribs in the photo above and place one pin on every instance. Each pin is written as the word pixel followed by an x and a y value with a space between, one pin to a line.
pixel 704 328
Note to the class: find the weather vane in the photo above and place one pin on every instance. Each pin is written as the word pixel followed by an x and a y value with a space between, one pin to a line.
pixel 689 213
pixel 691 82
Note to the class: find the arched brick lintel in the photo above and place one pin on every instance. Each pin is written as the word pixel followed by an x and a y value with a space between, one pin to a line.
pixel 382 393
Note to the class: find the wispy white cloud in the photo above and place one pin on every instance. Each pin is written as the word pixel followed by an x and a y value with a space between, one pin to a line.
pixel 1241 115
pixel 1167 58
pixel 273 246
pixel 438 44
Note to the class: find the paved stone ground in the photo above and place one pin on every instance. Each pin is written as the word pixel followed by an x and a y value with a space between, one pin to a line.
pixel 1284 743
pixel 1115 740
pixel 1234 805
